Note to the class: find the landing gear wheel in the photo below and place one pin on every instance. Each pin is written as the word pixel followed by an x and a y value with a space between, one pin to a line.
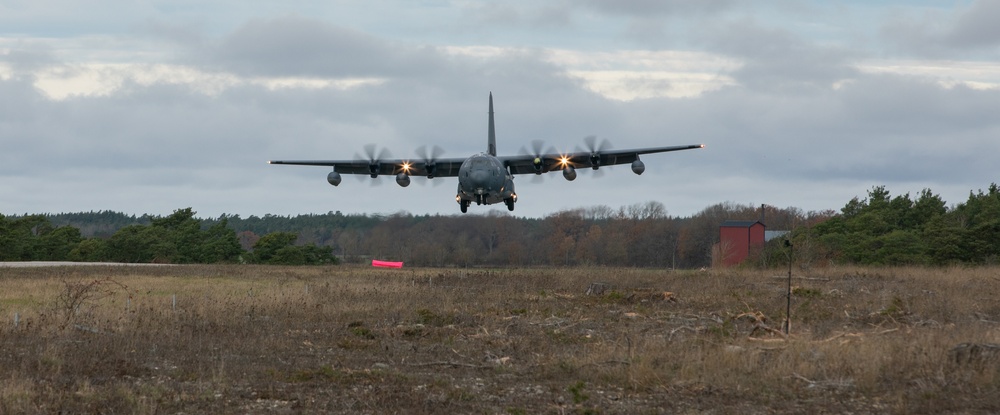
pixel 464 204
pixel 510 203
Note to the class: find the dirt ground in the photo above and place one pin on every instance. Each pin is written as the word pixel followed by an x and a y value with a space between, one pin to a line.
pixel 248 339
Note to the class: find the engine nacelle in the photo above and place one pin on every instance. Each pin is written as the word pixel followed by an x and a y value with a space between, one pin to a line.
pixel 537 164
pixel 403 179
pixel 638 167
pixel 333 178
pixel 569 173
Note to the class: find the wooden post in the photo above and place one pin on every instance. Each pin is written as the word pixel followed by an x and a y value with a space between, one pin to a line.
pixel 788 305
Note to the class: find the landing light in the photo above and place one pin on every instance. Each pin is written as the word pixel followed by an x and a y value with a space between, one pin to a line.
pixel 564 160
pixel 406 166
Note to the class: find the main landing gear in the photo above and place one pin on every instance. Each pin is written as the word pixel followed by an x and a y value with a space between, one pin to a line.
pixel 480 200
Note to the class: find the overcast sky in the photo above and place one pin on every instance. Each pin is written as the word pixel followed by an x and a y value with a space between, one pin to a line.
pixel 151 106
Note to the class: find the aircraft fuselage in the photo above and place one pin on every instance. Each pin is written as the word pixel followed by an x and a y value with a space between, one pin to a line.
pixel 483 179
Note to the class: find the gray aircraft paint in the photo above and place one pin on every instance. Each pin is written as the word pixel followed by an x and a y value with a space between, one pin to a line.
pixel 485 178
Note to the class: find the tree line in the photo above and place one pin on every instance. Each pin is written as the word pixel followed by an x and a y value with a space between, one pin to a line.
pixel 641 235
pixel 179 238
pixel 880 229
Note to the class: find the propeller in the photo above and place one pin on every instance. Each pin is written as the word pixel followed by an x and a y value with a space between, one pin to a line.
pixel 429 157
pixel 374 159
pixel 538 162
pixel 595 148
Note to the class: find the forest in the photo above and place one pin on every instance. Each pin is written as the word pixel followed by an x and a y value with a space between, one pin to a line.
pixel 879 229
pixel 179 238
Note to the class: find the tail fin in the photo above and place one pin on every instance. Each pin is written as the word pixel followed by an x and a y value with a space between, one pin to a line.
pixel 492 144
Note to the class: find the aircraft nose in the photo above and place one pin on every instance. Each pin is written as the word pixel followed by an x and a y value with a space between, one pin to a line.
pixel 479 178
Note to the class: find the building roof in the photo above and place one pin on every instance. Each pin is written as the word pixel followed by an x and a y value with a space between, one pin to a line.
pixel 740 223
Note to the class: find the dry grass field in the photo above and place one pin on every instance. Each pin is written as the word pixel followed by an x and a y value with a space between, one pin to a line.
pixel 246 339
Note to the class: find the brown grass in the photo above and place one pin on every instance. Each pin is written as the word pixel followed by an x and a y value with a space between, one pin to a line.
pixel 246 339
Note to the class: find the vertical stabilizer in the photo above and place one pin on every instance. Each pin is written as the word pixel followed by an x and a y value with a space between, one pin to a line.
pixel 492 144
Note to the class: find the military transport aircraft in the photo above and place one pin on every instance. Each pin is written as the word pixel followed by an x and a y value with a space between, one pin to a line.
pixel 485 178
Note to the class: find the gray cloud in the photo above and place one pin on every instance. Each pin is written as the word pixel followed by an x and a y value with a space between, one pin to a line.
pixel 977 27
pixel 645 8
pixel 295 46
pixel 965 32
pixel 27 57
pixel 783 135
pixel 879 129
pixel 602 23
pixel 18 106
pixel 187 35
pixel 775 58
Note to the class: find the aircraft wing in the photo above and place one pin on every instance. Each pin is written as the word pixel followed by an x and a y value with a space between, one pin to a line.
pixel 435 168
pixel 582 159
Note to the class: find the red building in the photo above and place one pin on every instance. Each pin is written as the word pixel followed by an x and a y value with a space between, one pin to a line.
pixel 737 238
